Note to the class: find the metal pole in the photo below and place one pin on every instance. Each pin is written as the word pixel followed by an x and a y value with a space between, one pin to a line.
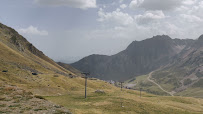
pixel 121 85
pixel 86 73
pixel 86 87
pixel 121 93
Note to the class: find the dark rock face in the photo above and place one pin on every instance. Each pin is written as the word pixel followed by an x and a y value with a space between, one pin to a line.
pixel 34 74
pixel 201 37
pixel 139 58
pixel 5 71
pixel 199 42
pixel 185 69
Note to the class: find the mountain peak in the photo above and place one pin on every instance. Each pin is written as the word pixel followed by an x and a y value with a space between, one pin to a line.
pixel 161 37
pixel 201 37
pixel 155 40
pixel 199 42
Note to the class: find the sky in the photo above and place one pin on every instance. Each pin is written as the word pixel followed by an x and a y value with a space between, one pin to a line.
pixel 68 30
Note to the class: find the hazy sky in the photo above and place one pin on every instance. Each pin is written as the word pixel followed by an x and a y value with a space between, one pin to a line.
pixel 67 30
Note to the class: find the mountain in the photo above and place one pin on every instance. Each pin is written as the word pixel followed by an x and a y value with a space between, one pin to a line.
pixel 70 68
pixel 140 57
pixel 11 40
pixel 24 65
pixel 184 74
pixel 30 82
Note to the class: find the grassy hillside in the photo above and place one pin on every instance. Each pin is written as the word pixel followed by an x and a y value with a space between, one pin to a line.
pixel 63 87
pixel 110 103
pixel 193 91
pixel 70 68
pixel 143 83
pixel 15 100
pixel 182 76
pixel 185 74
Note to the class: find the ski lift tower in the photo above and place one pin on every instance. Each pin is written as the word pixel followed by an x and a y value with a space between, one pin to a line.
pixel 86 74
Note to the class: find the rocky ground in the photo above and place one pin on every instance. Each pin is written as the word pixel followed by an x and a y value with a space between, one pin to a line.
pixel 16 100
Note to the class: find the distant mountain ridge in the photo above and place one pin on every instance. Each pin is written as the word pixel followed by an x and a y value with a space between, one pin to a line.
pixel 140 57
pixel 23 65
pixel 17 42
pixel 185 71
pixel 70 68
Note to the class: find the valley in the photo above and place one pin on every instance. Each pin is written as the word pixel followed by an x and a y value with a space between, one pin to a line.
pixel 101 57
pixel 28 77
pixel 173 66
pixel 148 78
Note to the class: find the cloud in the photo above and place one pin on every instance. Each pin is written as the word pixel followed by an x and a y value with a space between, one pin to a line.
pixel 197 9
pixel 32 31
pixel 116 29
pixel 191 18
pixel 116 17
pixel 179 19
pixel 149 16
pixel 120 1
pixel 123 6
pixel 83 4
pixel 135 3
pixel 201 3
pixel 155 4
pixel 189 2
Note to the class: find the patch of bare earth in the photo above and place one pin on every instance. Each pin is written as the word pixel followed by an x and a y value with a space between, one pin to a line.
pixel 16 100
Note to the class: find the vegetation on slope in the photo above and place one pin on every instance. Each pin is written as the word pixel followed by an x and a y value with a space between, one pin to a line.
pixel 143 83
pixel 139 58
pixel 127 101
pixel 15 100
pixel 24 69
pixel 184 74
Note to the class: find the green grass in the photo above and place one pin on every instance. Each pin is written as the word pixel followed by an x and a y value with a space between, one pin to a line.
pixel 110 103
pixel 142 82
pixel 69 92
pixel 192 92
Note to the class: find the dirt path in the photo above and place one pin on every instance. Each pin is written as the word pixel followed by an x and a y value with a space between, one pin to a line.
pixel 150 74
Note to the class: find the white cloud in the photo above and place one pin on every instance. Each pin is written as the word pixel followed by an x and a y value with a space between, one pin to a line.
pixel 32 31
pixel 201 3
pixel 189 2
pixel 155 4
pixel 179 21
pixel 191 18
pixel 182 9
pixel 116 17
pixel 123 6
pixel 118 28
pixel 197 9
pixel 135 3
pixel 149 16
pixel 83 4
pixel 121 1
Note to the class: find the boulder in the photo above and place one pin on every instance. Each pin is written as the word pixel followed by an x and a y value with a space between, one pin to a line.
pixel 100 91
pixel 34 74
pixel 5 71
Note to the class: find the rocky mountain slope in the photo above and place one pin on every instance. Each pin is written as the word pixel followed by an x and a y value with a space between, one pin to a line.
pixel 11 41
pixel 140 57
pixel 31 83
pixel 185 72
pixel 183 75
pixel 70 68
